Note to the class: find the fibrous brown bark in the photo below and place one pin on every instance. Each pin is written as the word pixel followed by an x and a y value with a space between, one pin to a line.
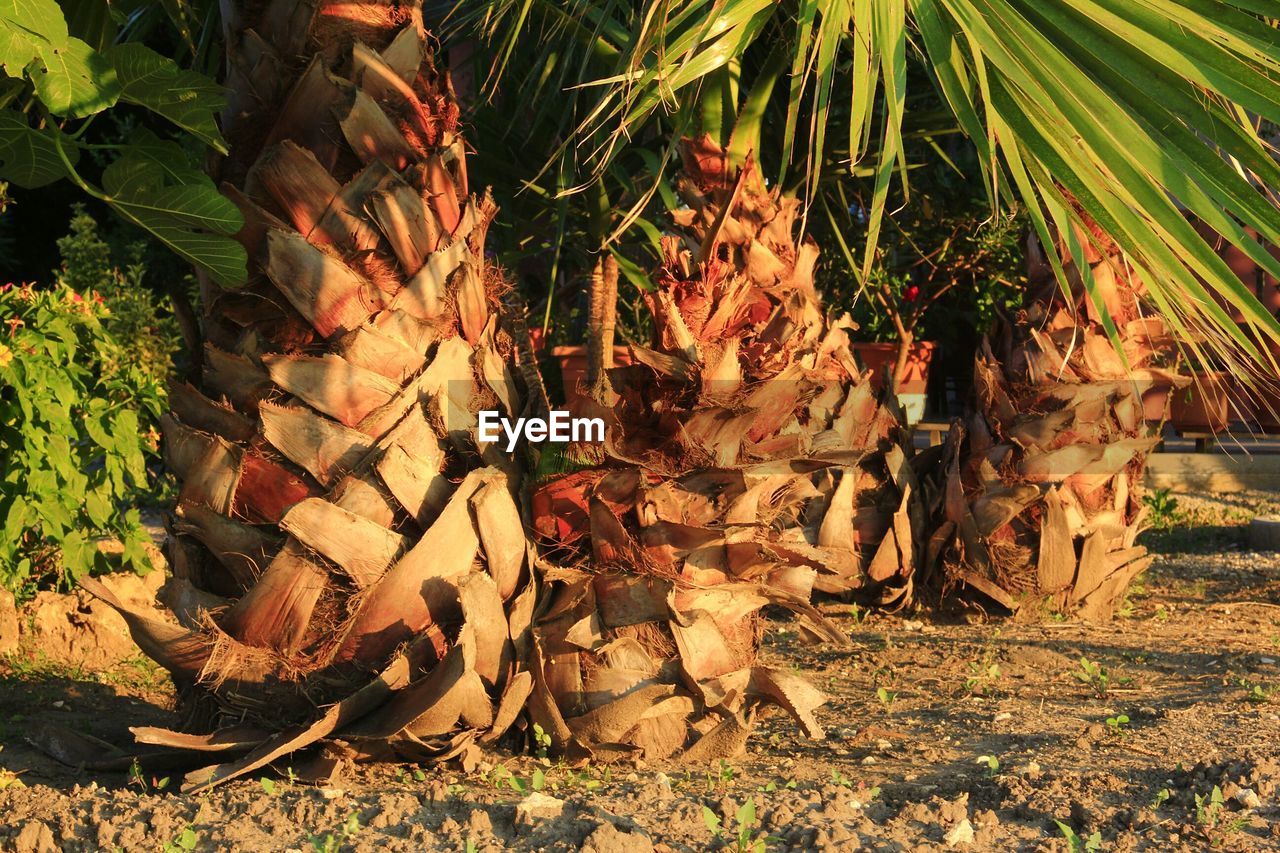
pixel 748 462
pixel 356 561
pixel 1041 503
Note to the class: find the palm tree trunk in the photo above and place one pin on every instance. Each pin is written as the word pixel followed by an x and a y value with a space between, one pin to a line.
pixel 747 463
pixel 1042 493
pixel 340 537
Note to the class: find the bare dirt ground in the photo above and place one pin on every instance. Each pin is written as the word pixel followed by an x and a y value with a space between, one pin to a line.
pixel 979 736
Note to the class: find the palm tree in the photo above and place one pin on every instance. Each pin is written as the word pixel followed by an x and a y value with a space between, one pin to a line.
pixel 1041 487
pixel 341 541
pixel 747 462
pixel 1115 125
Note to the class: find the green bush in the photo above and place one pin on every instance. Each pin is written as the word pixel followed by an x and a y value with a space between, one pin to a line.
pixel 75 432
pixel 147 335
pixel 947 267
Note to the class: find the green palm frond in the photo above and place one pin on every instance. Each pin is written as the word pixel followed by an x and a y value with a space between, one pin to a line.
pixel 1142 112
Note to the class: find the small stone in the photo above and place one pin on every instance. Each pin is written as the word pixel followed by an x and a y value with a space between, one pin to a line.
pixel 870 759
pixel 1248 798
pixel 479 823
pixel 961 833
pixel 884 745
pixel 332 793
pixel 912 625
pixel 1002 716
pixel 1033 769
pixel 538 806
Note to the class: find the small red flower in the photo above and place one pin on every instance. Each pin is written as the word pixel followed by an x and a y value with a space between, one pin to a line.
pixel 912 293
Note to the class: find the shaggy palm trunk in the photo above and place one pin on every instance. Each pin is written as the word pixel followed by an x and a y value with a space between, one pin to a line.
pixel 747 463
pixel 347 560
pixel 1043 482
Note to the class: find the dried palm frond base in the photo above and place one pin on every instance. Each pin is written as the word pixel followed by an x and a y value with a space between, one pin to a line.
pixel 454 636
pixel 1040 505
pixel 350 563
pixel 638 665
pixel 746 442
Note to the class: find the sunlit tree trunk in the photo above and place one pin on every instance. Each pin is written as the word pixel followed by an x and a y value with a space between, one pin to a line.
pixel 1043 483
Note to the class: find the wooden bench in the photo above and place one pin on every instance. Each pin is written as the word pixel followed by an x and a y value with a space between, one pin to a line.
pixel 1205 441
pixel 937 430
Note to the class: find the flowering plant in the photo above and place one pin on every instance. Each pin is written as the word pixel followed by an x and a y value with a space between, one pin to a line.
pixel 72 451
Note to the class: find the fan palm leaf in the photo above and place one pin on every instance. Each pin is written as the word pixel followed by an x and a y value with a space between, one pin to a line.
pixel 1146 113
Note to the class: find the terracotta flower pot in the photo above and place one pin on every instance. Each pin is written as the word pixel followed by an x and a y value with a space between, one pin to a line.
pixel 1204 405
pixel 573 373
pixel 1155 402
pixel 1266 408
pixel 1260 404
pixel 913 385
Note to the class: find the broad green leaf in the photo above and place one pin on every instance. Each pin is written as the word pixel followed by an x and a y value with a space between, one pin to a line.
pixel 29 157
pixel 27 29
pixel 187 99
pixel 152 188
pixel 74 80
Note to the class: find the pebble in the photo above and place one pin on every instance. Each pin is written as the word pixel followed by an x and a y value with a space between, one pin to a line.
pixel 538 806
pixel 961 833
pixel 332 793
pixel 1248 798
pixel 1002 716
pixel 870 759
pixel 479 822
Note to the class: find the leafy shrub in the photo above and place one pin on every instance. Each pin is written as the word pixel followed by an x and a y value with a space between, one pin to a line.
pixel 944 268
pixel 147 336
pixel 72 441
